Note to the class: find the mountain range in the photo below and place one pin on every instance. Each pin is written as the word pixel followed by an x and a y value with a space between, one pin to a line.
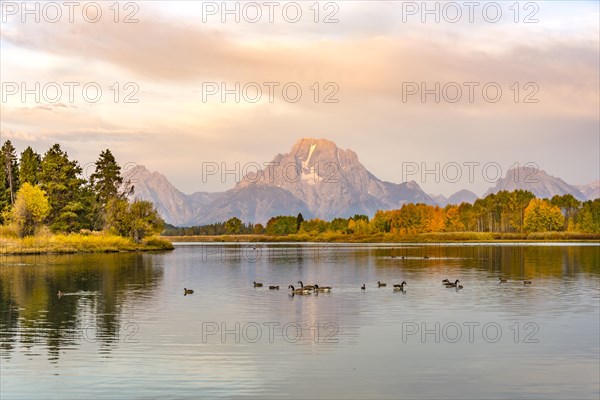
pixel 319 180
pixel 540 183
pixel 462 196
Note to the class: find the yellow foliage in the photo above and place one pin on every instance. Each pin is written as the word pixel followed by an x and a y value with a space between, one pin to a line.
pixel 30 208
pixel 74 243
pixel 542 216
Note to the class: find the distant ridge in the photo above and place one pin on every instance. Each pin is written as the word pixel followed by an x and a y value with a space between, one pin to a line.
pixel 591 190
pixel 462 196
pixel 174 206
pixel 320 180
pixel 538 182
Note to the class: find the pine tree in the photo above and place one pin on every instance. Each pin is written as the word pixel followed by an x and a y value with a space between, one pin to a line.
pixel 299 221
pixel 106 181
pixel 11 168
pixel 106 184
pixel 31 164
pixel 59 178
pixel 4 195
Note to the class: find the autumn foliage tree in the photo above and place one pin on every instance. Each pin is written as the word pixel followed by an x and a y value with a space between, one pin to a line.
pixel 282 226
pixel 258 229
pixel 30 208
pixel 233 226
pixel 314 226
pixel 569 207
pixel 588 218
pixel 452 221
pixel 542 216
pixel 135 220
pixel 101 203
pixel 54 191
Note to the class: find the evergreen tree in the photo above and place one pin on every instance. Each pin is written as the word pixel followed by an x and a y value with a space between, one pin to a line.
pixel 4 196
pixel 299 221
pixel 11 168
pixel 31 164
pixel 106 181
pixel 59 178
pixel 90 217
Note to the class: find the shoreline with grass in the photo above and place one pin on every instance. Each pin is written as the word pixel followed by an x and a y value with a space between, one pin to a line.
pixel 447 237
pixel 108 243
pixel 79 243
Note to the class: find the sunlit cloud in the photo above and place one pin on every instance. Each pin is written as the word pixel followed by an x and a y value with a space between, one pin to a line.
pixel 370 55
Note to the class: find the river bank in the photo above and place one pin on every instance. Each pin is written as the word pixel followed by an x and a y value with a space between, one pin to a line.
pixel 449 237
pixel 79 243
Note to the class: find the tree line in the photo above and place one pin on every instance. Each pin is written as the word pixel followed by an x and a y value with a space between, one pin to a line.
pixel 232 226
pixel 51 191
pixel 518 211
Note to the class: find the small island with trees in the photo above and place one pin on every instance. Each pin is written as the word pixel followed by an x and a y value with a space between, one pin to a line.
pixel 46 205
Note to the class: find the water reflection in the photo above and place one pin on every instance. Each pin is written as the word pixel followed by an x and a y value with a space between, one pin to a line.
pixel 125 329
pixel 516 261
pixel 97 292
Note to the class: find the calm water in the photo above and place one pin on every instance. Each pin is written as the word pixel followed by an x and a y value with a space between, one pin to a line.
pixel 124 329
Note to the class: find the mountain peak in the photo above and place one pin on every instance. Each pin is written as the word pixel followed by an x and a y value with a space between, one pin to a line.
pixel 331 181
pixel 591 190
pixel 138 173
pixel 320 180
pixel 307 141
pixel 305 148
pixel 537 181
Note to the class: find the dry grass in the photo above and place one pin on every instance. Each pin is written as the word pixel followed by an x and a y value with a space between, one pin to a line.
pixel 44 242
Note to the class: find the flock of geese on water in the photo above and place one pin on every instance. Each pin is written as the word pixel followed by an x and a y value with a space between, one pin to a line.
pixel 317 289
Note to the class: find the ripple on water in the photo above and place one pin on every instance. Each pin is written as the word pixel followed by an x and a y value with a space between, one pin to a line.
pixel 146 339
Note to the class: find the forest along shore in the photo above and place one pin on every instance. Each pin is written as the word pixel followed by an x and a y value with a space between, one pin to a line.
pixel 391 238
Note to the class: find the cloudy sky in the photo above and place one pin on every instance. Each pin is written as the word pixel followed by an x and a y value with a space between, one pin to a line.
pixel 372 58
